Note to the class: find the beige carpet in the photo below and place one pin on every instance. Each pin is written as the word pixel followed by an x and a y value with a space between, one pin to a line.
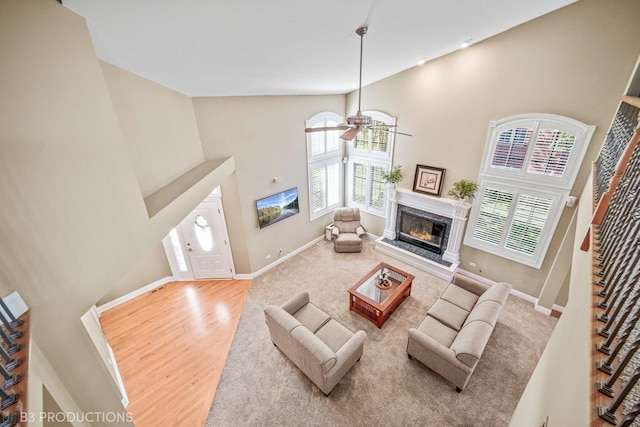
pixel 260 387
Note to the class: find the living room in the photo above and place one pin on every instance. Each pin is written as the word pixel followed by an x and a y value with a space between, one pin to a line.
pixel 103 139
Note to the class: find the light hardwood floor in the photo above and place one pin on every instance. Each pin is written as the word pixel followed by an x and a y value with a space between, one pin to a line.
pixel 171 345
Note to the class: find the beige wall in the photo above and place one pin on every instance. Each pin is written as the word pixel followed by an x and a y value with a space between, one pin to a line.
pixel 72 219
pixel 573 62
pixel 560 386
pixel 152 267
pixel 158 125
pixel 265 136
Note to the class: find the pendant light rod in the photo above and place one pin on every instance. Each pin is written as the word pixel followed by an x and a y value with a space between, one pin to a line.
pixel 360 32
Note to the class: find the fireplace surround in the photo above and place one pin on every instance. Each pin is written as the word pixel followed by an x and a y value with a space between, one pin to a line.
pixel 422 229
pixel 439 256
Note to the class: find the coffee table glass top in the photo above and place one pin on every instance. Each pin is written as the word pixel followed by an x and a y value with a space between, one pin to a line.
pixel 370 290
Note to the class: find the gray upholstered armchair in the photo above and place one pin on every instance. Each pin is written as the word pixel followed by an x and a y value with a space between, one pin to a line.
pixel 347 231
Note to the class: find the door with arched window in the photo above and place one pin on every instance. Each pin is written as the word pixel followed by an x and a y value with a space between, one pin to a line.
pixel 205 241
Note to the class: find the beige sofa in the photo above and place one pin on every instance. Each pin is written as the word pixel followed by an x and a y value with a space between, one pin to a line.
pixel 320 346
pixel 451 338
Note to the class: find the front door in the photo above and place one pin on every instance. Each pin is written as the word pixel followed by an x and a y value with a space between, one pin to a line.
pixel 206 245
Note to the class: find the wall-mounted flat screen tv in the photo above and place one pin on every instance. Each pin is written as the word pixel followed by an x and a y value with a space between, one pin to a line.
pixel 277 207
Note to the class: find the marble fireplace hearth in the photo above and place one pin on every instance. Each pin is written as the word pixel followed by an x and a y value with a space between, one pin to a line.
pixel 443 211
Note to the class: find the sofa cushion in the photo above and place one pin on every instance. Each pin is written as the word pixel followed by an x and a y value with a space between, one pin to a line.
pixel 498 293
pixel 448 313
pixel 487 311
pixel 471 341
pixel 311 317
pixel 437 330
pixel 334 335
pixel 459 296
pixel 349 238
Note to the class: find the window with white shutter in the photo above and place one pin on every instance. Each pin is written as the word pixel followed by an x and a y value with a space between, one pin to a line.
pixel 529 166
pixel 370 155
pixel 324 161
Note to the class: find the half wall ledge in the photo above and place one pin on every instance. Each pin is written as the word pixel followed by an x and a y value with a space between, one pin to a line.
pixel 209 174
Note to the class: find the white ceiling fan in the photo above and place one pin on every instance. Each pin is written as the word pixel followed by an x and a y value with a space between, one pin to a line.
pixel 358 121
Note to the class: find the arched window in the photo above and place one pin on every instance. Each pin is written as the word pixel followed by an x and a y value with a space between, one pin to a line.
pixel 370 155
pixel 529 165
pixel 324 161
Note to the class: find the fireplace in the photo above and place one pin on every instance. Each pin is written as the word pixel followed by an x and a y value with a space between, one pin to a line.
pixel 437 254
pixel 424 232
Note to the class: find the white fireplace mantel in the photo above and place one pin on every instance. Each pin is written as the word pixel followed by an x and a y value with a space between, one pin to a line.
pixel 448 208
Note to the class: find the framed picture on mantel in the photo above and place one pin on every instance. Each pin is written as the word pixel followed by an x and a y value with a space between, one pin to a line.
pixel 428 180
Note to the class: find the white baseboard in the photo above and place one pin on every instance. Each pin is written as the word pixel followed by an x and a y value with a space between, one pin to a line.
pixel 281 259
pixel 515 293
pixel 132 295
pixel 16 305
pixel 474 276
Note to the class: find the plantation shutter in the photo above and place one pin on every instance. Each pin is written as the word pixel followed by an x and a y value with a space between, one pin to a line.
pixel 318 185
pixel 492 215
pixel 529 219
pixel 333 184
pixel 551 152
pixel 376 188
pixel 324 164
pixel 511 148
pixel 360 183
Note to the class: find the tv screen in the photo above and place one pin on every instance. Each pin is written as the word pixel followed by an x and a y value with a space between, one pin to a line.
pixel 277 207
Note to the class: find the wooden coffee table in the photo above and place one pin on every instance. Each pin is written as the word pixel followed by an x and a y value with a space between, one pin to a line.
pixel 376 301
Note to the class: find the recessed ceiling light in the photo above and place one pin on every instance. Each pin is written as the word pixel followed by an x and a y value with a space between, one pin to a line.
pixel 422 61
pixel 465 43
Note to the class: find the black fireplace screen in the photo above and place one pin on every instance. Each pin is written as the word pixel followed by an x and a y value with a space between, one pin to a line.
pixel 422 232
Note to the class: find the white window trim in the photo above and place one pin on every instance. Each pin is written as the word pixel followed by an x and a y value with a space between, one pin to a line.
pixel 324 160
pixel 582 132
pixel 520 182
pixel 370 158
pixel 535 260
pixel 366 207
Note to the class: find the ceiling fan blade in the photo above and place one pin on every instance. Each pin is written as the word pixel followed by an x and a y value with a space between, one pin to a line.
pixel 327 128
pixel 350 134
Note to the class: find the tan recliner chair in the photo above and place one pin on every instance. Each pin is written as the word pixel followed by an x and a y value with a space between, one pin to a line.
pixel 347 231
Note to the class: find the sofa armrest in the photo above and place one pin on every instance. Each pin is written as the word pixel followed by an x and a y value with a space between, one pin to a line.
pixel 296 303
pixel 428 345
pixel 315 348
pixel 353 345
pixel 275 314
pixel 360 231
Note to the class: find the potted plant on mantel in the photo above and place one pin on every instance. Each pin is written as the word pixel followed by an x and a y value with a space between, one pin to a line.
pixel 463 190
pixel 394 176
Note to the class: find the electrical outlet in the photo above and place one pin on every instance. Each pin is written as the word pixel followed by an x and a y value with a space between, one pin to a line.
pixel 472 264
pixel 268 256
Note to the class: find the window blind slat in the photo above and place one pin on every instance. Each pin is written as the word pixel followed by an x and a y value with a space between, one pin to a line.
pixel 492 215
pixel 530 216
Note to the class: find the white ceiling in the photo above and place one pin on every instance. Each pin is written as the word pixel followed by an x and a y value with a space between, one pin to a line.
pixel 288 47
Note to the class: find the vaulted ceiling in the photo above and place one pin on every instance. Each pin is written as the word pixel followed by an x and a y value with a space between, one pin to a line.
pixel 288 47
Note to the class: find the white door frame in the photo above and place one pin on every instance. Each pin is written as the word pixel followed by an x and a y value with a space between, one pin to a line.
pixel 181 268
